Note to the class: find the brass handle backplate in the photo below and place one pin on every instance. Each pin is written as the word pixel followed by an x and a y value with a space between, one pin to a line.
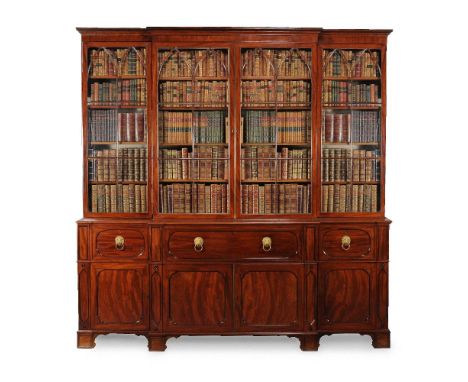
pixel 266 244
pixel 198 244
pixel 345 242
pixel 119 243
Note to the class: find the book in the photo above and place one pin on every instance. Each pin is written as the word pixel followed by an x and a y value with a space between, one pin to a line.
pixel 118 198
pixel 127 92
pixel 285 198
pixel 350 198
pixel 193 198
pixel 117 62
pixel 351 63
pixel 280 93
pixel 282 62
pixel 193 62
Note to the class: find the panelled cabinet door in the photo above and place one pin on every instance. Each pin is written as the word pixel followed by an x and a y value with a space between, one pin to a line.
pixel 347 295
pixel 119 296
pixel 269 297
pixel 197 298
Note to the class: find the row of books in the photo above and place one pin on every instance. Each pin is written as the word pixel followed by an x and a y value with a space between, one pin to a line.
pixel 199 198
pixel 198 62
pixel 183 164
pixel 357 126
pixel 350 198
pixel 125 92
pixel 118 165
pixel 264 163
pixel 351 63
pixel 112 125
pixel 198 127
pixel 266 126
pixel 345 92
pixel 275 199
pixel 119 61
pixel 280 62
pixel 350 165
pixel 199 92
pixel 124 198
pixel 279 92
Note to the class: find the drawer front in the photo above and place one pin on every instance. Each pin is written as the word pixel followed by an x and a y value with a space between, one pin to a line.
pixel 233 243
pixel 269 243
pixel 347 242
pixel 197 244
pixel 119 242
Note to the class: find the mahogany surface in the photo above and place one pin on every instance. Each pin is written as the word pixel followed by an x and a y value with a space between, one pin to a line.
pixel 305 286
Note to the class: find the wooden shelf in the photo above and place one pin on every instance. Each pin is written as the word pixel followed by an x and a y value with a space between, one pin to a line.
pixel 350 182
pixel 117 182
pixel 189 108
pixel 255 181
pixel 277 144
pixel 123 77
pixel 114 106
pixel 352 107
pixel 206 78
pixel 166 145
pixel 351 78
pixel 279 78
pixel 116 143
pixel 350 144
pixel 277 107
pixel 193 180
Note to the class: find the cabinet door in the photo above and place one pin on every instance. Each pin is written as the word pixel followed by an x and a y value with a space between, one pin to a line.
pixel 197 298
pixel 269 297
pixel 119 296
pixel 347 295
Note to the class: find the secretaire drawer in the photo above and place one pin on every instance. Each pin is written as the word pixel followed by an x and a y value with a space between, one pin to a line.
pixel 115 242
pixel 346 242
pixel 232 243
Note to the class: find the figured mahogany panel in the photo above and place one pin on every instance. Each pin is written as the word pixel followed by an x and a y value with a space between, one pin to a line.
pixel 311 297
pixel 233 243
pixel 346 295
pixel 269 297
pixel 310 243
pixel 155 244
pixel 83 295
pixel 82 242
pixel 135 239
pixel 361 245
pixel 197 298
pixel 119 296
pixel 382 296
pixel 156 298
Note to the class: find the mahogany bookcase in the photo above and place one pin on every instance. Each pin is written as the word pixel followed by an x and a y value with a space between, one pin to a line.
pixel 234 183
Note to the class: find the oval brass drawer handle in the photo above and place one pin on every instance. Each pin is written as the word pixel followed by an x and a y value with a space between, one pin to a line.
pixel 198 244
pixel 345 242
pixel 266 244
pixel 119 243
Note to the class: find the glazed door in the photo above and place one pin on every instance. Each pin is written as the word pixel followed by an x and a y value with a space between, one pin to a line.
pixel 119 296
pixel 197 298
pixel 269 297
pixel 347 295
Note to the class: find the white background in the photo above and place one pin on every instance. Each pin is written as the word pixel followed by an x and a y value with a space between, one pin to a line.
pixel 41 170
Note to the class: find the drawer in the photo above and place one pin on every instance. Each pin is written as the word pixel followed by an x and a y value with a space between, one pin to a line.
pixel 346 242
pixel 232 243
pixel 119 242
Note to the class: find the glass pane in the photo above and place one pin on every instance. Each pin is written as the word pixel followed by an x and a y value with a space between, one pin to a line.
pixel 193 128
pixel 276 131
pixel 117 131
pixel 351 134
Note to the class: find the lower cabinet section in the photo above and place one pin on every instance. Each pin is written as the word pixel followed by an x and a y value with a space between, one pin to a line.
pixel 197 298
pixel 119 296
pixel 347 295
pixel 269 297
pixel 307 298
